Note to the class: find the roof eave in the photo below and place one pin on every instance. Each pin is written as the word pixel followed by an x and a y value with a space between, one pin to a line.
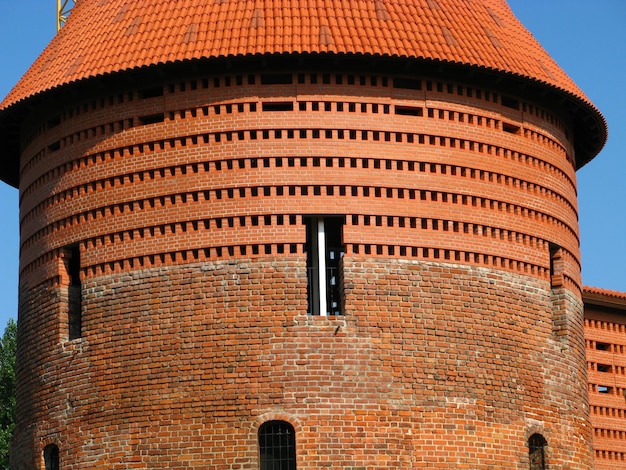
pixel 604 298
pixel 589 126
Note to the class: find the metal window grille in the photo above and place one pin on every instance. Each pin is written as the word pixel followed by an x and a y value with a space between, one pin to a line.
pixel 536 451
pixel 277 446
pixel 324 253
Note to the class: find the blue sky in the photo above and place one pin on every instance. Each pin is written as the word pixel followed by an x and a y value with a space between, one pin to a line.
pixel 586 37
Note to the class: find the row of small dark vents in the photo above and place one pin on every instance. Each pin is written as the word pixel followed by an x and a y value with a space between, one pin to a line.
pixel 288 79
pixel 272 249
pixel 285 106
pixel 65 196
pixel 421 139
pixel 223 222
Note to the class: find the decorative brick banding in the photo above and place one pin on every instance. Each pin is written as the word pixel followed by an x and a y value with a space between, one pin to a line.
pixel 187 202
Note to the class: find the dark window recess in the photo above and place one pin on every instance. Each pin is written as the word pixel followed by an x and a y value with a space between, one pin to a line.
pixel 409 111
pixel 510 128
pixel 51 457
pixel 407 83
pixel 152 119
pixel 536 452
pixel 510 102
pixel 603 346
pixel 604 368
pixel 53 122
pixel 556 266
pixel 277 446
pixel 54 146
pixel 277 106
pixel 151 92
pixel 74 314
pixel 276 79
pixel 324 249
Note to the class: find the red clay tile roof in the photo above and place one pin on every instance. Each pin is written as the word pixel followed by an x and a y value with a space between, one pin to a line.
pixel 103 37
pixel 603 293
pixel 109 36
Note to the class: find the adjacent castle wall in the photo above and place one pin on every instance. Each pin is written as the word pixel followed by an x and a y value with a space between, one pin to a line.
pixel 605 334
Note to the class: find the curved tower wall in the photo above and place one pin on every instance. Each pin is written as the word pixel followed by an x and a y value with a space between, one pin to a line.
pixel 178 207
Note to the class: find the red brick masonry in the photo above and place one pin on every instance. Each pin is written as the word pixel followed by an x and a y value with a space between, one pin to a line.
pixel 174 163
pixel 462 332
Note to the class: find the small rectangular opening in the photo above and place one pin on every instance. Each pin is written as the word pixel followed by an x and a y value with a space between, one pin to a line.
pixel 604 368
pixel 276 79
pixel 510 128
pixel 603 346
pixel 53 122
pixel 510 102
pixel 152 118
pixel 605 389
pixel 277 106
pixel 407 83
pixel 54 146
pixel 409 111
pixel 151 92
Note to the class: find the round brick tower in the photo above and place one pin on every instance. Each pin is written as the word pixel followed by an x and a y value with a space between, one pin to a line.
pixel 261 235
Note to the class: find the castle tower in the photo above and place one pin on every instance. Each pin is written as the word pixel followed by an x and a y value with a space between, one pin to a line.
pixel 261 235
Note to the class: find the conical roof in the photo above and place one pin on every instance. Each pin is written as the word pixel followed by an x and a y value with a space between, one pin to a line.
pixel 105 37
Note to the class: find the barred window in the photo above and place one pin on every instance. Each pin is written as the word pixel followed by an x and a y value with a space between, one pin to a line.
pixel 536 451
pixel 324 249
pixel 277 446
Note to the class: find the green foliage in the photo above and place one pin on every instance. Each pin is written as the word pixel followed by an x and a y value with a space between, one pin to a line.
pixel 7 390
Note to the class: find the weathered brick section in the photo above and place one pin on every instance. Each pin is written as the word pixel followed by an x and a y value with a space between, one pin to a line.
pixel 433 366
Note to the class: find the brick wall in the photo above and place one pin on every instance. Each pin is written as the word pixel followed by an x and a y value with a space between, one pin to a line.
pixel 186 199
pixel 433 365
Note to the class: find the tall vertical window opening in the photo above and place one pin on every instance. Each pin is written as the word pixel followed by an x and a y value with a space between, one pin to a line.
pixel 51 457
pixel 556 266
pixel 74 294
pixel 277 446
pixel 536 452
pixel 560 321
pixel 324 251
